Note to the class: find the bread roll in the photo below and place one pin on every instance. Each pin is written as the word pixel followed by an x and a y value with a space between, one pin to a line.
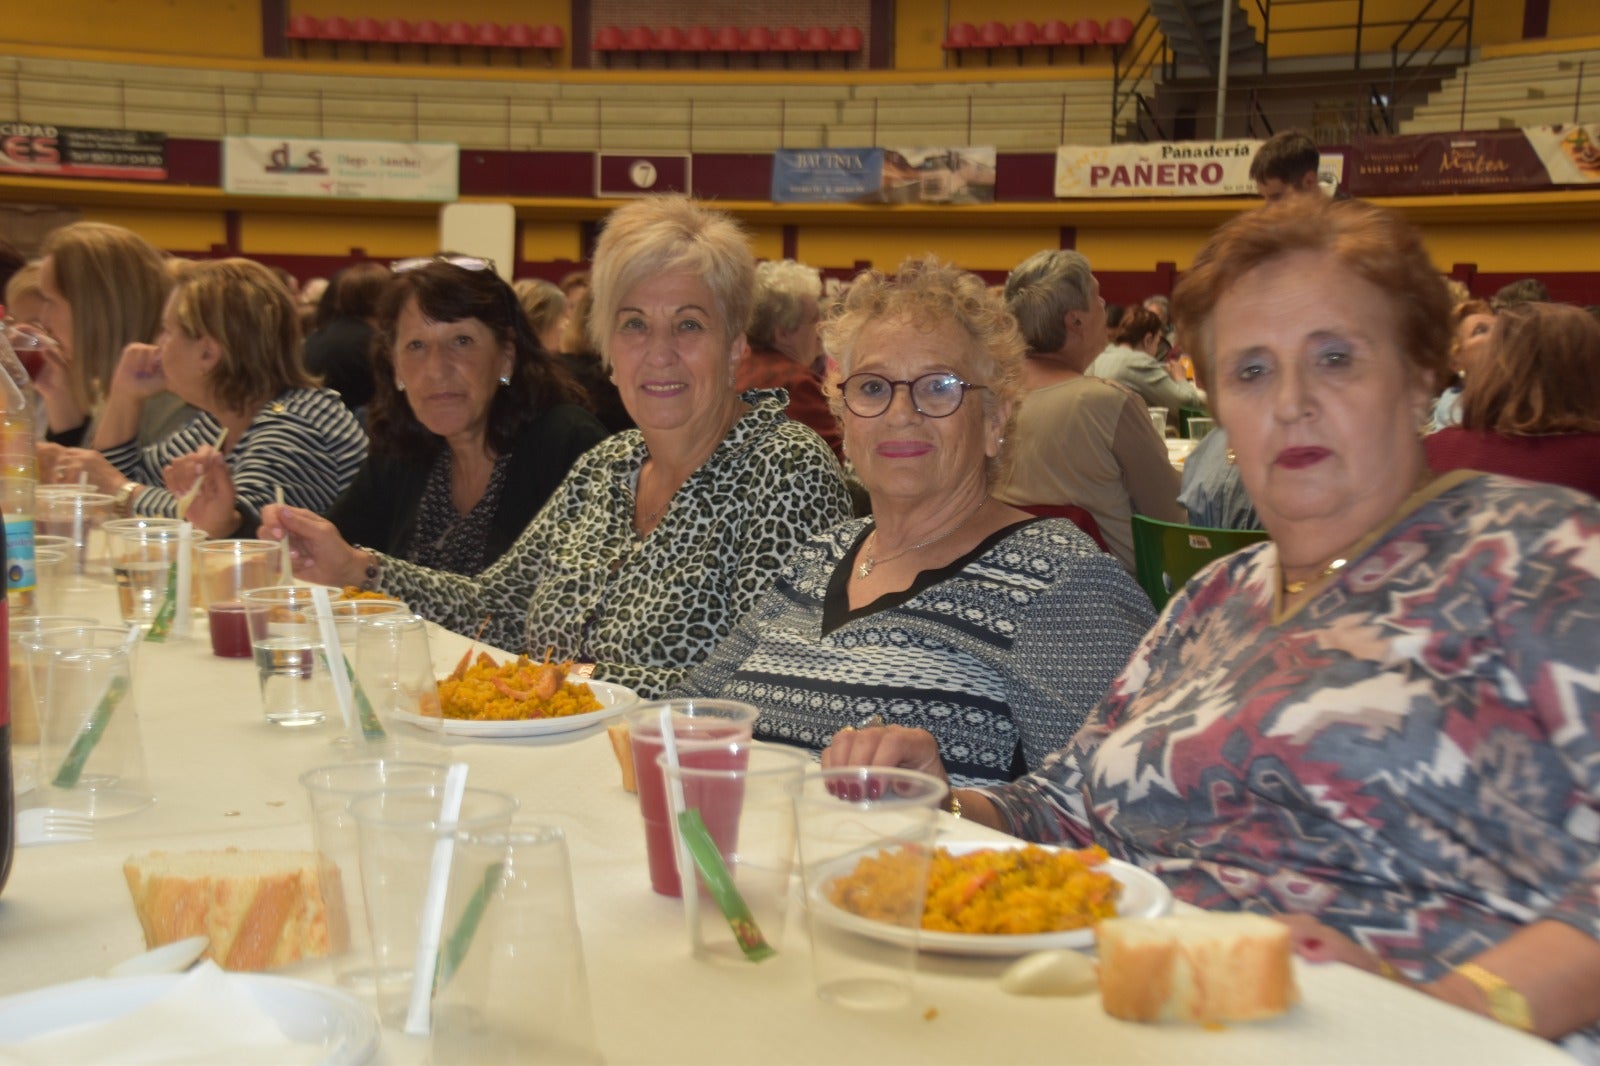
pixel 261 909
pixel 1211 967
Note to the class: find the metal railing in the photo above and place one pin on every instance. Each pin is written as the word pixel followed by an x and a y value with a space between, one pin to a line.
pixel 1145 53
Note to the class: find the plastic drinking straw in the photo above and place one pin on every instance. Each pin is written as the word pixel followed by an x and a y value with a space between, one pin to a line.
pixel 418 1018
pixel 84 743
pixel 330 646
pixel 187 499
pixel 83 479
pixel 184 572
pixel 460 941
pixel 687 885
pixel 288 565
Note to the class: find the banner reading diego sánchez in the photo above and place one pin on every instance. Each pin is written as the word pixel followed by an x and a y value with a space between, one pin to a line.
pixel 360 170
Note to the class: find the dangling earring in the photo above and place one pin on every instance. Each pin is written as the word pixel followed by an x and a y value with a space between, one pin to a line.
pixel 1233 460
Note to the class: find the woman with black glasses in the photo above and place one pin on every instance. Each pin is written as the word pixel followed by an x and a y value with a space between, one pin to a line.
pixel 947 610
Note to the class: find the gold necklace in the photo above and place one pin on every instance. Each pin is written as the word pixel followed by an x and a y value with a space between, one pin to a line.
pixel 870 562
pixel 1294 588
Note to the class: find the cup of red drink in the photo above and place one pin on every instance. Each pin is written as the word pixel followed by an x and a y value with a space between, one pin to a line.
pixel 230 629
pixel 709 735
pixel 29 347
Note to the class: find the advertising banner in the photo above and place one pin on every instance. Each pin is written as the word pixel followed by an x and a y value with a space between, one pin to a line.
pixel 44 150
pixel 1194 168
pixel 827 175
pixel 1423 163
pixel 324 169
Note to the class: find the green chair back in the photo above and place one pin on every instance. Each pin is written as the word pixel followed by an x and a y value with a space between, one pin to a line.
pixel 1167 554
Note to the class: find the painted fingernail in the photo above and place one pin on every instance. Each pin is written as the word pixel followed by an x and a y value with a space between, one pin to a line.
pixel 1312 943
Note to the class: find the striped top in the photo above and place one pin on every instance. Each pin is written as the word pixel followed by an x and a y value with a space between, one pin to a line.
pixel 306 440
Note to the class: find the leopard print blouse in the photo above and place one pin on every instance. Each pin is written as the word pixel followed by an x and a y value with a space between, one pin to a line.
pixel 646 610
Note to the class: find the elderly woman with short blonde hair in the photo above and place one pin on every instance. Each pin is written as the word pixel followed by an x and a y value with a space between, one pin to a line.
pixel 947 610
pixel 660 539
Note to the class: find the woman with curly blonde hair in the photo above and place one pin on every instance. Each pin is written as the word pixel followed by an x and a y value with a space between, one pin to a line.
pixel 947 610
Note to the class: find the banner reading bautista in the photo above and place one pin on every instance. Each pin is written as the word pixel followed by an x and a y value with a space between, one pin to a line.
pixel 1194 168
pixel 360 170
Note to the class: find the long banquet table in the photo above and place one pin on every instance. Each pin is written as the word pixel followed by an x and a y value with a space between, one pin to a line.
pixel 223 776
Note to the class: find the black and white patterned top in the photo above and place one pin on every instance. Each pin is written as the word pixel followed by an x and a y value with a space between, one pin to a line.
pixel 579 579
pixel 446 539
pixel 305 440
pixel 999 655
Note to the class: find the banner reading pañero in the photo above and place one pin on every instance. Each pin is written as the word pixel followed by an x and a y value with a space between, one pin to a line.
pixel 1192 168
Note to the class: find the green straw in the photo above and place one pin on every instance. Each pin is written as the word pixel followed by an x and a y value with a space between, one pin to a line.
pixel 460 942
pixel 83 744
pixel 167 611
pixel 708 860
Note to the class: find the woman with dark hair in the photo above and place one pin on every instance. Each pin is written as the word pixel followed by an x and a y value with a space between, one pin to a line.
pixel 473 424
pixel 1531 407
pixel 1132 360
pixel 339 349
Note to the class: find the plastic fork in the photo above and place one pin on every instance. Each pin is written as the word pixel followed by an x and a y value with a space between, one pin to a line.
pixel 46 825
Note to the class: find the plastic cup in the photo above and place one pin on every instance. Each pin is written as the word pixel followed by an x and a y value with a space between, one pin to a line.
pixel 1199 427
pixel 1158 418
pixel 52 570
pixel 71 512
pixel 398 829
pixel 224 569
pixel 844 816
pixel 90 756
pixel 330 790
pixel 520 993
pixel 749 812
pixel 142 562
pixel 395 671
pixel 704 730
pixel 291 662
pixel 229 626
pixel 27 686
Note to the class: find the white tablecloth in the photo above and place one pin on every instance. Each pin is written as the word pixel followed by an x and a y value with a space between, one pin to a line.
pixel 223 776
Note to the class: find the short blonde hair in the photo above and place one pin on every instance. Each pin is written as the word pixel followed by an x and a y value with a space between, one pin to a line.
pixel 117 284
pixel 243 307
pixel 671 234
pixel 542 301
pixel 782 288
pixel 928 293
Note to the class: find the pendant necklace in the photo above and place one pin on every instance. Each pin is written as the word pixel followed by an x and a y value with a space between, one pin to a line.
pixel 868 564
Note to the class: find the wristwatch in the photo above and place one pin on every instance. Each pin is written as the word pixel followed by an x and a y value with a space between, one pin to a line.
pixel 122 502
pixel 1506 1005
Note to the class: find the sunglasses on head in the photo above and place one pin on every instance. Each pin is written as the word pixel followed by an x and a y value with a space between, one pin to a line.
pixel 465 262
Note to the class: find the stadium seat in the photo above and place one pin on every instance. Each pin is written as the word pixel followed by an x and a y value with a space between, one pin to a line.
pixel 1117 32
pixel 960 37
pixel 756 39
pixel 1085 32
pixel 427 33
pixel 992 35
pixel 366 31
pixel 786 42
pixel 519 37
pixel 305 29
pixel 607 42
pixel 395 33
pixel 697 42
pixel 550 39
pixel 1052 34
pixel 847 39
pixel 334 29
pixel 458 35
pixel 1024 34
pixel 668 39
pixel 637 41
pixel 726 41
pixel 816 42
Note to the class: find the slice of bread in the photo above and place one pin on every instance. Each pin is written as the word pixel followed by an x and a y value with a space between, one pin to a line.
pixel 261 909
pixel 622 748
pixel 1212 967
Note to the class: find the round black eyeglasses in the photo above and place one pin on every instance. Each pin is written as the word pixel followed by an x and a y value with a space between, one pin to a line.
pixel 936 395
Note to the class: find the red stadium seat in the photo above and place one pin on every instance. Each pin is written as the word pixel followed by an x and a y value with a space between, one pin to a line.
pixel 787 42
pixel 305 29
pixel 607 42
pixel 698 42
pixel 458 34
pixel 726 40
pixel 427 31
pixel 636 41
pixel 395 31
pixel 847 39
pixel 815 42
pixel 1117 32
pixel 550 36
pixel 1054 33
pixel 367 32
pixel 669 39
pixel 334 28
pixel 1085 32
pixel 960 37
pixel 489 36
pixel 520 37
pixel 1022 35
pixel 756 39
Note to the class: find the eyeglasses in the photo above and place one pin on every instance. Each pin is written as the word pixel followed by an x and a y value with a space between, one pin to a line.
pixel 465 262
pixel 935 395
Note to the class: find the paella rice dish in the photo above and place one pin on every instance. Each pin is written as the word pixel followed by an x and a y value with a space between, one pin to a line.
pixel 484 690
pixel 1014 891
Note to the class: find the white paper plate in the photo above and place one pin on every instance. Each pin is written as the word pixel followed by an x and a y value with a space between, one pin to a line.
pixel 1143 896
pixel 346 1029
pixel 614 699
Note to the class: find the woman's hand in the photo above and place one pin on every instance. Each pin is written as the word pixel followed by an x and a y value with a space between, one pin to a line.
pixel 71 462
pixel 1316 942
pixel 54 383
pixel 48 456
pixel 138 374
pixel 317 550
pixel 214 506
pixel 894 745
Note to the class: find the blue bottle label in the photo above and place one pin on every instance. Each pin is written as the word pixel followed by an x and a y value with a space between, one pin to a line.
pixel 19 554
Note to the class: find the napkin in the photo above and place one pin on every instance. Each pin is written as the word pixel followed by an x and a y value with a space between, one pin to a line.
pixel 203 1018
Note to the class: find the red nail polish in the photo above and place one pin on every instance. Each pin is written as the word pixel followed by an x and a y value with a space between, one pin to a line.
pixel 1312 943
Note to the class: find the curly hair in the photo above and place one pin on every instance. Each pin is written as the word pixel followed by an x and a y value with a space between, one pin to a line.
pixel 1537 374
pixel 444 292
pixel 782 288
pixel 1373 243
pixel 927 293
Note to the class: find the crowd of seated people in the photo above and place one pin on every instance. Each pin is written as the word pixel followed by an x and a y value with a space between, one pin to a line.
pixel 711 548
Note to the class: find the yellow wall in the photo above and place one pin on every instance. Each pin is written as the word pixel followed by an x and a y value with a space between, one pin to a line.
pixel 380 237
pixel 1532 247
pixel 1574 18
pixel 189 231
pixel 885 247
pixel 226 28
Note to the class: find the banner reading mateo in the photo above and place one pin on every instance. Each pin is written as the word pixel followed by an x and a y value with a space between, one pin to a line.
pixel 351 170
pixel 1211 168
